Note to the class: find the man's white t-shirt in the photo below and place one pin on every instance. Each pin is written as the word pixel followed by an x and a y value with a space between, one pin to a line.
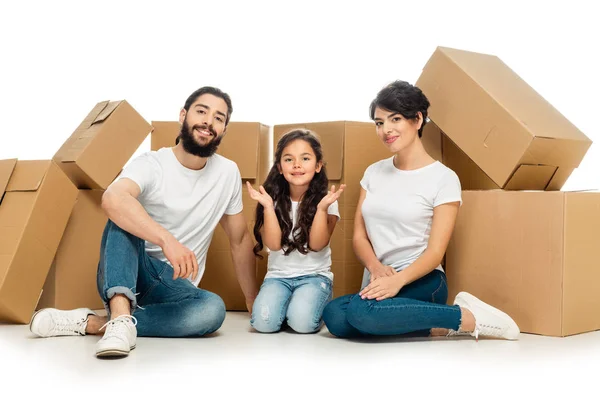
pixel 398 209
pixel 188 203
pixel 298 264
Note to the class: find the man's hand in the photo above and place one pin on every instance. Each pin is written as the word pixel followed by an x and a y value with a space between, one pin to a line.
pixel 249 305
pixel 182 259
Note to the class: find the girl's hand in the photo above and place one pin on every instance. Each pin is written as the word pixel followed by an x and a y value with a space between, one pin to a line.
pixel 261 196
pixel 330 197
pixel 382 288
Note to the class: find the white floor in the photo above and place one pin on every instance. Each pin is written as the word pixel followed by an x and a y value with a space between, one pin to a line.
pixel 238 361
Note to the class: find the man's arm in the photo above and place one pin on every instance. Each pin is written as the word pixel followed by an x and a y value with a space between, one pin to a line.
pixel 243 257
pixel 120 204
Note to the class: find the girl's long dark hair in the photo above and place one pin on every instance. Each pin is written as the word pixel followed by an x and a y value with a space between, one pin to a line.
pixel 279 190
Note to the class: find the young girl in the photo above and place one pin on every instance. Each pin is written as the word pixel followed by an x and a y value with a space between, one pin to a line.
pixel 405 217
pixel 295 218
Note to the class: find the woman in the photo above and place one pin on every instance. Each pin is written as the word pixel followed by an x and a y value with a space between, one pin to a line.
pixel 404 220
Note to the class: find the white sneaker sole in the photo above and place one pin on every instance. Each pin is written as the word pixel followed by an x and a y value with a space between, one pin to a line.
pixel 464 299
pixel 108 353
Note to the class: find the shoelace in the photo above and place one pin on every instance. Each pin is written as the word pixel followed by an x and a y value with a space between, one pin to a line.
pixel 483 330
pixel 71 325
pixel 486 330
pixel 118 326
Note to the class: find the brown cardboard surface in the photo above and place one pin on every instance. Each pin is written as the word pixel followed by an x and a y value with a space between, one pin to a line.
pixel 71 282
pixel 34 212
pixel 442 148
pixel 348 149
pixel 246 143
pixel 499 121
pixel 531 254
pixel 96 152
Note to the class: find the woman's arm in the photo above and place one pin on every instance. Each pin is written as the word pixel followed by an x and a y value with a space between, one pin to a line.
pixel 444 218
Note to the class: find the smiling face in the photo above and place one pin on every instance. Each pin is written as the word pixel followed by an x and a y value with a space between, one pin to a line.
pixel 203 125
pixel 396 132
pixel 298 163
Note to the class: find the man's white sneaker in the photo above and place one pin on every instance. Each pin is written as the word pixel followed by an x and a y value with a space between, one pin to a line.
pixel 119 337
pixel 50 322
pixel 489 321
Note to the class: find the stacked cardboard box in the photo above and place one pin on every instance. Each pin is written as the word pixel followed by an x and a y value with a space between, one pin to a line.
pixel 348 149
pixel 246 143
pixel 519 244
pixel 71 282
pixel 37 199
pixel 92 157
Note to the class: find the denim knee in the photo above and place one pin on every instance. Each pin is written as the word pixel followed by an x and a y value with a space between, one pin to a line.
pixel 303 322
pixel 264 320
pixel 203 317
pixel 358 311
pixel 334 317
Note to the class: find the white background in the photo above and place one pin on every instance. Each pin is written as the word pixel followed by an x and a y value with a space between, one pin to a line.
pixel 281 62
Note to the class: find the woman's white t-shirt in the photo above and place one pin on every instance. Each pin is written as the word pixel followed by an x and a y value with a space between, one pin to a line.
pixel 398 209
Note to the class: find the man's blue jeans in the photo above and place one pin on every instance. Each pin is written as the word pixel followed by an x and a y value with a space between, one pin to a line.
pixel 414 311
pixel 162 306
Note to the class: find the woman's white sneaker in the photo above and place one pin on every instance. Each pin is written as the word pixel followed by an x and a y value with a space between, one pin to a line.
pixel 119 337
pixel 49 322
pixel 489 321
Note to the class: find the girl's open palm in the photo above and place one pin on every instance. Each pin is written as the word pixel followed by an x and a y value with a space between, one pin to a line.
pixel 260 195
pixel 330 197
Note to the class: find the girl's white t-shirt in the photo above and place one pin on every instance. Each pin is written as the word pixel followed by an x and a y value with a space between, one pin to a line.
pixel 298 264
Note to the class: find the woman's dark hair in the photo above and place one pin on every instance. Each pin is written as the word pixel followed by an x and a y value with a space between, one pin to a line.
pixel 279 190
pixel 403 98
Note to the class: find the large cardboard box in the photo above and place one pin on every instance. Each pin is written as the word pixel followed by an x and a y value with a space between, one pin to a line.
pixel 348 149
pixel 96 152
pixel 518 139
pixel 532 254
pixel 37 199
pixel 471 177
pixel 71 282
pixel 246 143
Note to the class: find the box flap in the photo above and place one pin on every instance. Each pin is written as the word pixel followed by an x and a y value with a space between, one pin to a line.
pixel 108 109
pixel 27 176
pixel 6 170
pixel 81 137
pixel 531 177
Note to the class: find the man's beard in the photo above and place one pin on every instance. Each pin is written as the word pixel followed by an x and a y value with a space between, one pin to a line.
pixel 190 144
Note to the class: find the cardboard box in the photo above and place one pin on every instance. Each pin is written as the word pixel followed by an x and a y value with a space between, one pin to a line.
pixel 71 282
pixel 518 139
pixel 37 201
pixel 246 143
pixel 96 152
pixel 471 177
pixel 533 254
pixel 348 149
